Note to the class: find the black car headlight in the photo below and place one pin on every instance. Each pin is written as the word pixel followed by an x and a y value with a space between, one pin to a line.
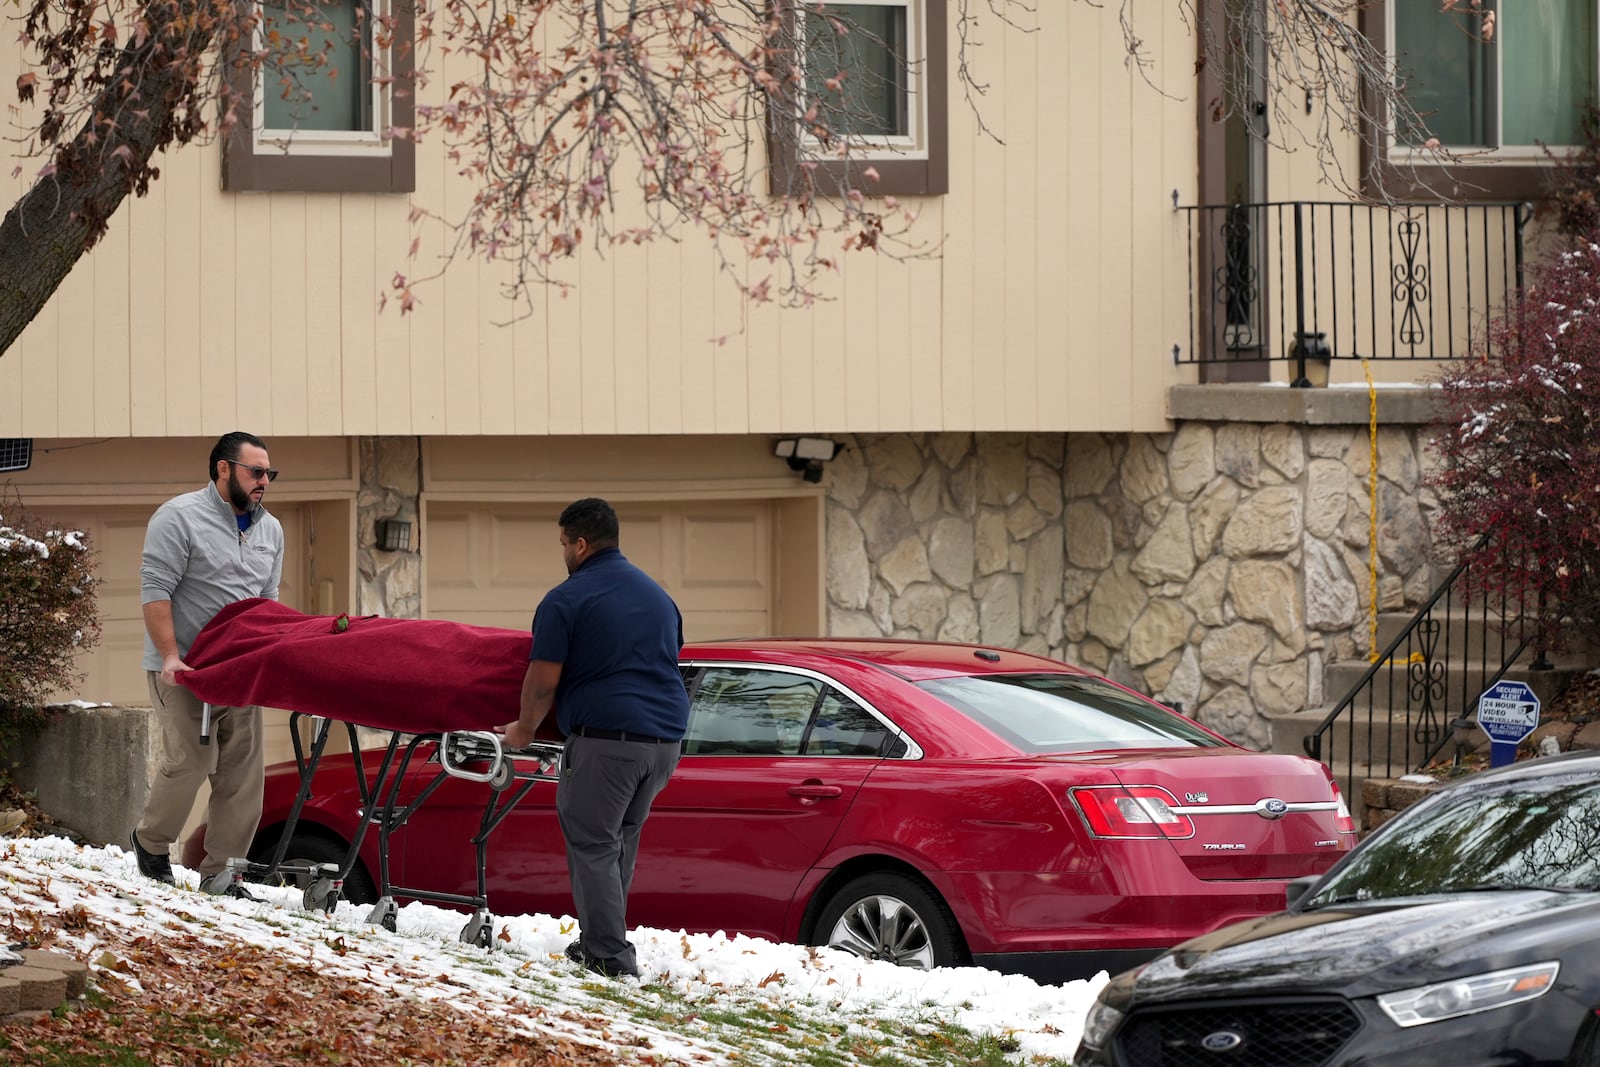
pixel 1463 996
pixel 1098 1024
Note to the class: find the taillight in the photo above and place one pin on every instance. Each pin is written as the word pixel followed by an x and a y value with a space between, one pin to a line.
pixel 1341 816
pixel 1141 811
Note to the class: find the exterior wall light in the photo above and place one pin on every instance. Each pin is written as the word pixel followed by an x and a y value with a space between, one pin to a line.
pixel 807 454
pixel 393 534
pixel 1312 358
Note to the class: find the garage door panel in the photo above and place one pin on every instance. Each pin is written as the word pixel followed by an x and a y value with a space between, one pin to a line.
pixel 119 540
pixel 726 560
pixel 645 537
pixel 523 550
pixel 712 625
pixel 714 558
pixel 449 548
pixel 111 671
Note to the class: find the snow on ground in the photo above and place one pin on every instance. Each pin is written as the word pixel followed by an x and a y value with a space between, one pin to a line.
pixel 526 978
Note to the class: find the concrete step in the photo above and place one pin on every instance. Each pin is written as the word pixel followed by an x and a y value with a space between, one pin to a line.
pixel 1467 632
pixel 1455 686
pixel 1388 741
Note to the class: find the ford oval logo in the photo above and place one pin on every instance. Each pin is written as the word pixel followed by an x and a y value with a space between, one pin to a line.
pixel 1271 808
pixel 1221 1041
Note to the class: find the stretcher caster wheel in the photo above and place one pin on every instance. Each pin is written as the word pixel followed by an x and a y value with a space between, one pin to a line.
pixel 321 895
pixel 383 914
pixel 504 772
pixel 479 929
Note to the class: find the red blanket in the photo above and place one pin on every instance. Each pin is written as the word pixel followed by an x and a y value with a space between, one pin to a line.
pixel 412 675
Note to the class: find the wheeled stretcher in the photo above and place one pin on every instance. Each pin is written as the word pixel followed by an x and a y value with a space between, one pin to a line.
pixel 329 668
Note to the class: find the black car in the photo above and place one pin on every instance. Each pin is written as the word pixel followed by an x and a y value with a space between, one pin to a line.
pixel 1465 932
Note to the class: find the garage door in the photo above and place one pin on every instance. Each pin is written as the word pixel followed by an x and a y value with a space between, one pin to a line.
pixel 490 564
pixel 112 670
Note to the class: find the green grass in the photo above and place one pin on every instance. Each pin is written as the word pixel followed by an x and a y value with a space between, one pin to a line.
pixel 193 1034
pixel 767 1034
pixel 757 1033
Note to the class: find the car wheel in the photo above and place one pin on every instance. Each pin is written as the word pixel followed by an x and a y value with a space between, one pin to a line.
pixel 306 850
pixel 888 916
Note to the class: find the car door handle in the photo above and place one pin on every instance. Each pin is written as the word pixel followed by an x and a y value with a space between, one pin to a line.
pixel 815 791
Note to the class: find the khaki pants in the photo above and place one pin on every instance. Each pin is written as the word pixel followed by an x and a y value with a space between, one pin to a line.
pixel 233 762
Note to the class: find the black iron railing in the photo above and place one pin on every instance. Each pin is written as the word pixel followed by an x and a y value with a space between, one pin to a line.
pixel 1420 694
pixel 1311 282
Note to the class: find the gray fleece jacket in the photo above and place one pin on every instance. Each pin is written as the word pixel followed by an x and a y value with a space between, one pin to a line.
pixel 195 556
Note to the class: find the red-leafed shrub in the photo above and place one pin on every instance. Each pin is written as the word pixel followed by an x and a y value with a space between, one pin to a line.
pixel 1520 452
pixel 47 613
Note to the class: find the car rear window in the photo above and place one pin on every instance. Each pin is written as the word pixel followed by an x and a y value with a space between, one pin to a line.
pixel 1537 833
pixel 1066 713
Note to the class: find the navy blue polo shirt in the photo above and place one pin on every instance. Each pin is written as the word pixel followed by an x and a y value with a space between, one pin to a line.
pixel 617 635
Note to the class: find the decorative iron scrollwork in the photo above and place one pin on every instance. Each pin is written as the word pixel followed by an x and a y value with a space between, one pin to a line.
pixel 1410 283
pixel 1236 281
pixel 1426 684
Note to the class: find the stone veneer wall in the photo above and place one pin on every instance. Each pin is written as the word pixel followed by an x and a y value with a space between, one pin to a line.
pixel 951 536
pixel 391 484
pixel 1219 567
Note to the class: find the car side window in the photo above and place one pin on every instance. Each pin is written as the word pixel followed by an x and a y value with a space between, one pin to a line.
pixel 844 728
pixel 749 712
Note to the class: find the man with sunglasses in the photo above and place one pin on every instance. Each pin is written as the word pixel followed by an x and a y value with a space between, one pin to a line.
pixel 203 551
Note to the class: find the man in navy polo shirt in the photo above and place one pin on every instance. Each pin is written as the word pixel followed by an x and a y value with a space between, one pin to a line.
pixel 605 653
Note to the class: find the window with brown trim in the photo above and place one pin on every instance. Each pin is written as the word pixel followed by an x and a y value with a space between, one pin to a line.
pixel 872 95
pixel 1495 100
pixel 329 83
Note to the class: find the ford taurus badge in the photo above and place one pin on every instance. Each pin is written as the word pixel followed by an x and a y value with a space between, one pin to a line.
pixel 1271 808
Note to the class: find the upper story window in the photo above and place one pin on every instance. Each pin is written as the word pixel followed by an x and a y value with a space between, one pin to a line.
pixel 858 72
pixel 1524 87
pixel 330 87
pixel 872 95
pixel 316 75
pixel 1494 100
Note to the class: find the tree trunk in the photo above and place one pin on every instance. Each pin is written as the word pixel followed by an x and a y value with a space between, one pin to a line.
pixel 67 210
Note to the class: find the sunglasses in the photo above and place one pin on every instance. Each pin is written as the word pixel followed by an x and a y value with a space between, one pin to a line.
pixel 258 473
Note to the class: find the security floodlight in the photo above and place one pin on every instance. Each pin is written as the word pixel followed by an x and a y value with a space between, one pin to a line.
pixel 806 454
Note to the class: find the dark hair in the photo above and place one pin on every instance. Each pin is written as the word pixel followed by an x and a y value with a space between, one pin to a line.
pixel 227 447
pixel 591 519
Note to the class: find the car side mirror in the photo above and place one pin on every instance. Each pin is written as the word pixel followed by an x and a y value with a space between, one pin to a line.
pixel 1296 889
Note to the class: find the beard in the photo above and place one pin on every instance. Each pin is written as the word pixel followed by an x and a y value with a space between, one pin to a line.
pixel 236 492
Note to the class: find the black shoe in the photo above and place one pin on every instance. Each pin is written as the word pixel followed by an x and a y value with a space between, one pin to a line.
pixel 608 968
pixel 574 950
pixel 150 864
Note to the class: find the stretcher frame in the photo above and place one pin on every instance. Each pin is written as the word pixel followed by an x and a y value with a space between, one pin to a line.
pixel 471 755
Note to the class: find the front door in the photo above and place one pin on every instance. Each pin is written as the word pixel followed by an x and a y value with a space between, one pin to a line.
pixel 1233 184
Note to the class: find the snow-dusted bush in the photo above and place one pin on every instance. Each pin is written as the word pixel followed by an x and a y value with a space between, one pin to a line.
pixel 1520 446
pixel 47 613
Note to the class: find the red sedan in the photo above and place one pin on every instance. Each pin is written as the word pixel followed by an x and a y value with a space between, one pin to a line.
pixel 930 804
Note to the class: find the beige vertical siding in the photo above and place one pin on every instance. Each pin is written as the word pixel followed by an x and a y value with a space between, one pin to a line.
pixel 1086 54
pixel 1052 301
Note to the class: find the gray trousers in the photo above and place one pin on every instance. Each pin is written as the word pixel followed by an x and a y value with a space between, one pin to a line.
pixel 602 798
pixel 234 763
